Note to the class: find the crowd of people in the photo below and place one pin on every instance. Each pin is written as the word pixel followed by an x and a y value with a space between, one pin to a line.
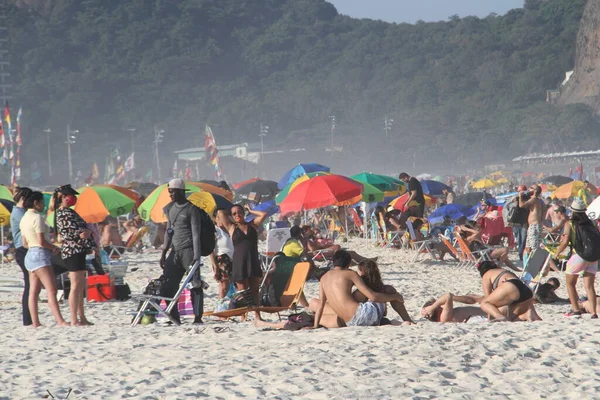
pixel 346 297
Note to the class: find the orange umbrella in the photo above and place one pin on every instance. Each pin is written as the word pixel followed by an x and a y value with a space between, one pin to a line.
pixel 571 189
pixel 213 189
pixel 398 202
pixel 238 185
pixel 127 192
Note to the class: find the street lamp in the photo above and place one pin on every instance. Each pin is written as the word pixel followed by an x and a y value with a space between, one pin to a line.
pixel 70 140
pixel 388 126
pixel 158 136
pixel 332 119
pixel 263 132
pixel 132 132
pixel 48 132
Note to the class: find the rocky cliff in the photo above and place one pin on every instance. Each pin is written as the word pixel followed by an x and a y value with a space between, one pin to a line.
pixel 584 85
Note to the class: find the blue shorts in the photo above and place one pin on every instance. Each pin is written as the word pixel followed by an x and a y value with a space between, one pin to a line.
pixel 38 257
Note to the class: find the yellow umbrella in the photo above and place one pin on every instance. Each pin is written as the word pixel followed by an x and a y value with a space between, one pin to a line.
pixel 497 174
pixel 484 184
pixel 570 189
pixel 502 180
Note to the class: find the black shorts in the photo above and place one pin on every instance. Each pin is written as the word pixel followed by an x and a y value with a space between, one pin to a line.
pixel 76 262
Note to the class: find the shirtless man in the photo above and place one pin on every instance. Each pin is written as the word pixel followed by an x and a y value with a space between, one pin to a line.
pixel 110 235
pixel 535 206
pixel 335 292
pixel 443 310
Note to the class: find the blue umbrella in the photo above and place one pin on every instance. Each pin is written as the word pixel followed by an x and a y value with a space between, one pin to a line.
pixel 455 211
pixel 268 206
pixel 298 171
pixel 433 188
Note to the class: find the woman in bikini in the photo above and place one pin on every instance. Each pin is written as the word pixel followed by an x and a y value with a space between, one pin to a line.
pixel 443 310
pixel 503 288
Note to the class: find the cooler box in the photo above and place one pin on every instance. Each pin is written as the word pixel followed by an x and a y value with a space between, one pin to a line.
pixel 100 288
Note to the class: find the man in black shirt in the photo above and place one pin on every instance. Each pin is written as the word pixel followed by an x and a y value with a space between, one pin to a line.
pixel 415 205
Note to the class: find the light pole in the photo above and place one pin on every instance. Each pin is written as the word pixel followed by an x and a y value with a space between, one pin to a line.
pixel 263 132
pixel 132 132
pixel 388 126
pixel 48 131
pixel 332 119
pixel 70 140
pixel 158 136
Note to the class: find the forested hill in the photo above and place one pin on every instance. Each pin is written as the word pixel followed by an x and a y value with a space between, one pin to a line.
pixel 467 84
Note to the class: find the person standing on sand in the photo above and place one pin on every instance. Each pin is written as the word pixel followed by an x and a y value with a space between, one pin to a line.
pixel 16 215
pixel 415 204
pixel 535 205
pixel 335 292
pixel 76 243
pixel 38 259
pixel 222 257
pixel 183 240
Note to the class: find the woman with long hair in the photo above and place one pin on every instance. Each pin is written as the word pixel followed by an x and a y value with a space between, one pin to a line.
pixel 246 271
pixel 577 266
pixel 76 243
pixel 16 215
pixel 38 262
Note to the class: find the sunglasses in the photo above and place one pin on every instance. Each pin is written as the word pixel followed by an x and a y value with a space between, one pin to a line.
pixel 237 213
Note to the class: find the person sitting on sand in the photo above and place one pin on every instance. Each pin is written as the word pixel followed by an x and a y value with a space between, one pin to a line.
pixel 335 290
pixel 503 288
pixel 312 245
pixel 443 310
pixel 472 236
pixel 111 237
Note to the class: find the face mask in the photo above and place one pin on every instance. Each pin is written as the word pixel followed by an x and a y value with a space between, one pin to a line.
pixel 70 200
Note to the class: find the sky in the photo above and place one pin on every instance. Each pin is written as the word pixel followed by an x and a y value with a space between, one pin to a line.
pixel 426 10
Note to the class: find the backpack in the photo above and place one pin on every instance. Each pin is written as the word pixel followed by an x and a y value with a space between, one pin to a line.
pixel 513 213
pixel 208 233
pixel 587 241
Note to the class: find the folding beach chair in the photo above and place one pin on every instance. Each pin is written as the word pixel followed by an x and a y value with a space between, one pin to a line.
pixel 420 246
pixel 472 257
pixel 288 291
pixel 452 249
pixel 536 266
pixel 358 223
pixel 154 300
pixel 276 239
pixel 118 251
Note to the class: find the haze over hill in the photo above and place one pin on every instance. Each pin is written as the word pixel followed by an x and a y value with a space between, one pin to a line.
pixel 468 89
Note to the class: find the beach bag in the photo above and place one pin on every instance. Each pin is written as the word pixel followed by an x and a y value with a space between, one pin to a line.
pixel 514 213
pixel 268 298
pixel 241 299
pixel 587 241
pixel 299 321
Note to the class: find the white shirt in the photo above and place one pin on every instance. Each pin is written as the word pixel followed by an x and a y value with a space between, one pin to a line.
pixel 224 243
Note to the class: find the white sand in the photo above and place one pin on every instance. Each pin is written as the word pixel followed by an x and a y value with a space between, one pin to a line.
pixel 556 358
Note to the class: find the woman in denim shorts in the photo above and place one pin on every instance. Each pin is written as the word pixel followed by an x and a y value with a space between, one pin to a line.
pixel 34 232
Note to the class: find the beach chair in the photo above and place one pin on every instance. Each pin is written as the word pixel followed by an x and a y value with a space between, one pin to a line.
pixel 11 284
pixel 288 279
pixel 536 266
pixel 154 300
pixel 472 258
pixel 358 223
pixel 276 239
pixel 420 246
pixel 453 250
pixel 118 251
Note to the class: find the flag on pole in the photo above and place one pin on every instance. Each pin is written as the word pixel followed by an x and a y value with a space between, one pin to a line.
pixel 8 133
pixel 188 172
pixel 94 175
pixel 174 170
pixel 130 163
pixel 211 151
pixel 19 114
pixel 19 142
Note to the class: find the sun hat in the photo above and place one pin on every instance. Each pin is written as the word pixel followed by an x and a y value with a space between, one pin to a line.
pixel 578 206
pixel 66 190
pixel 177 184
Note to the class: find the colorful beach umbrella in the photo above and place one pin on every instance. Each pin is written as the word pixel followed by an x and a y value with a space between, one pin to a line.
pixel 268 206
pixel 484 184
pixel 6 193
pixel 382 182
pixel 433 188
pixel 454 211
pixel 298 171
pixel 322 191
pixel 152 208
pixel 212 189
pixel 502 181
pixel 209 202
pixel 398 202
pixel 95 203
pixel 557 180
pixel 570 189
pixel 127 192
pixel 286 190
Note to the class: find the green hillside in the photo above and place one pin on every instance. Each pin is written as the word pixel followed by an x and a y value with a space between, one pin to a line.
pixel 467 86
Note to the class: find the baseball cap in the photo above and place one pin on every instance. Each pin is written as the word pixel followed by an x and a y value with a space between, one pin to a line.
pixel 178 184
pixel 66 190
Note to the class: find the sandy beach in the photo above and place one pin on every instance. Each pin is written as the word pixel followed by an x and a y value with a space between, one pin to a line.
pixel 555 358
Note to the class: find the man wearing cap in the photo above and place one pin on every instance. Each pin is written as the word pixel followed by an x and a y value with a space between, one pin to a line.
pixel 182 237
